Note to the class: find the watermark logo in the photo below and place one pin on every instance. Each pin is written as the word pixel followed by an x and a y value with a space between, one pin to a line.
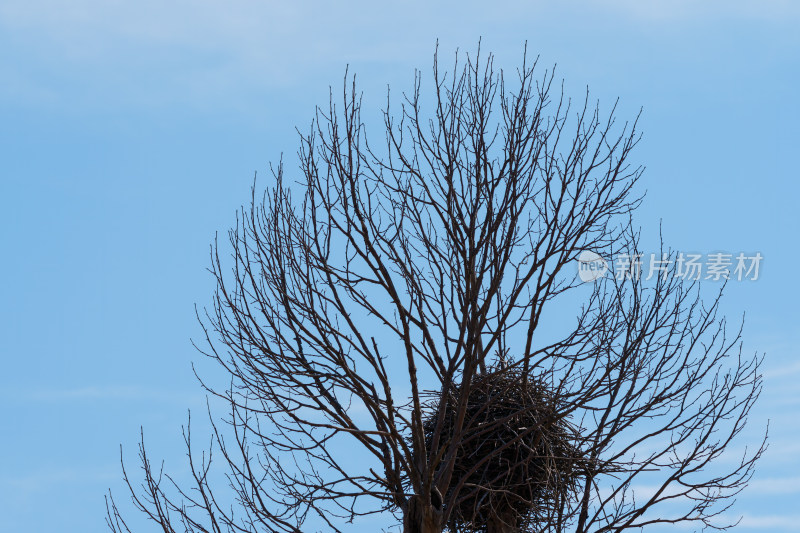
pixel 718 266
pixel 591 266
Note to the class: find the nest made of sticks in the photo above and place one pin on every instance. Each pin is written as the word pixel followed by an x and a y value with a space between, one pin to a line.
pixel 518 455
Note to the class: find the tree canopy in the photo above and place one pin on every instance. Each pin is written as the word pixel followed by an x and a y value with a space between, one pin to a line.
pixel 379 314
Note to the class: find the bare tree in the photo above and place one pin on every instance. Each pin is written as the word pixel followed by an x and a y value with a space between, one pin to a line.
pixel 381 323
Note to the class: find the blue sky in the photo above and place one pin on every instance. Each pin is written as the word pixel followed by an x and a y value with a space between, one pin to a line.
pixel 130 132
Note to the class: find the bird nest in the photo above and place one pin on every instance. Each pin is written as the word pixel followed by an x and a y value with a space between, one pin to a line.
pixel 518 458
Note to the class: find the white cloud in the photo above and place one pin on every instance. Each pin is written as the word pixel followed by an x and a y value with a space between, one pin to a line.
pixel 42 479
pixel 204 51
pixel 269 38
pixel 787 371
pixel 107 392
pixel 671 10
pixel 775 485
pixel 770 522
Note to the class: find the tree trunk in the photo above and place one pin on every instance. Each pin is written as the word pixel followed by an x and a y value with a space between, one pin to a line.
pixel 421 517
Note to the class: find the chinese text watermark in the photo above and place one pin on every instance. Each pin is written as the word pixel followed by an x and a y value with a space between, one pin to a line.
pixel 717 266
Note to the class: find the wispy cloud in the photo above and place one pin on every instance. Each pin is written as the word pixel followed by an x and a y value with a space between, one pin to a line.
pixel 106 392
pixel 774 485
pixel 43 479
pixel 671 10
pixel 200 51
pixel 787 371
pixel 770 522
pixel 191 50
